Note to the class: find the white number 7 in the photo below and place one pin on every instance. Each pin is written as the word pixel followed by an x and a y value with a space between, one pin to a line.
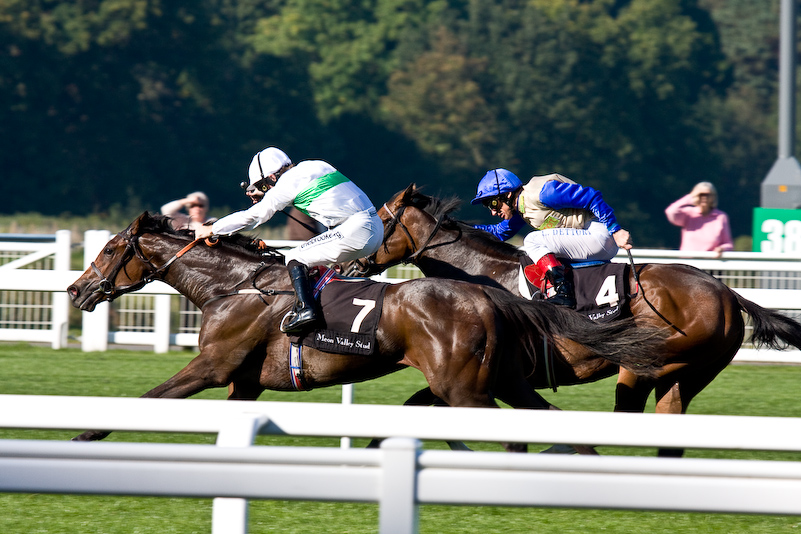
pixel 367 307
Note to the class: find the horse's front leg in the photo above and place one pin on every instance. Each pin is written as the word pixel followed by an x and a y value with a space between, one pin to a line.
pixel 210 368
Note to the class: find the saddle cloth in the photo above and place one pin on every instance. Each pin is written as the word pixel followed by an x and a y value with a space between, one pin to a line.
pixel 351 308
pixel 601 287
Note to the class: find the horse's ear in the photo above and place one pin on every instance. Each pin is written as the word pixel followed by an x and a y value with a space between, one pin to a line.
pixel 141 222
pixel 407 194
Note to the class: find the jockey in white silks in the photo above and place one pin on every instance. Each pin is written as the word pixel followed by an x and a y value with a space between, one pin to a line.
pixel 316 188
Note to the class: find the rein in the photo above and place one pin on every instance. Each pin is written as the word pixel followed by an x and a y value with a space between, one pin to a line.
pixel 640 289
pixel 106 285
pixel 416 251
pixel 254 291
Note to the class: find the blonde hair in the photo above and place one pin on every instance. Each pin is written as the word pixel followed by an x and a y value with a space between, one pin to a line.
pixel 704 187
pixel 201 196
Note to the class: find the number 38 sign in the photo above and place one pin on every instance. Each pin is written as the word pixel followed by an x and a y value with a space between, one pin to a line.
pixel 777 230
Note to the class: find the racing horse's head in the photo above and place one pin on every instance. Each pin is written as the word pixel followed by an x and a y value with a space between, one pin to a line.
pixel 408 228
pixel 121 267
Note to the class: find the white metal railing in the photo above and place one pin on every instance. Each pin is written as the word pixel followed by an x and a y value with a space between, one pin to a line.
pixel 30 310
pixel 148 317
pixel 400 476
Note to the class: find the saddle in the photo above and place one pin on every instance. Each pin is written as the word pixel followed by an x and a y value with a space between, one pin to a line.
pixel 351 309
pixel 601 287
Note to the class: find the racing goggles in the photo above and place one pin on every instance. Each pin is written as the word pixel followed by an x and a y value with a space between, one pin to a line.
pixel 262 185
pixel 493 203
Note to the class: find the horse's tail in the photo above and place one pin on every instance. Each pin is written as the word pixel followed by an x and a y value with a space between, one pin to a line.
pixel 771 328
pixel 622 342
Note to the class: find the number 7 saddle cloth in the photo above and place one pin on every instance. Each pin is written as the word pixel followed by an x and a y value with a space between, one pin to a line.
pixel 351 309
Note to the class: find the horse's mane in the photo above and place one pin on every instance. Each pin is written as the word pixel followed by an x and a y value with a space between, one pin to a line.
pixel 160 224
pixel 439 207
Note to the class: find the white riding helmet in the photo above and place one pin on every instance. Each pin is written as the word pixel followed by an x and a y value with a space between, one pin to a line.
pixel 268 161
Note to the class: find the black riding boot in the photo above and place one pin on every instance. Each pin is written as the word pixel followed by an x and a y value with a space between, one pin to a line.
pixel 564 288
pixel 304 313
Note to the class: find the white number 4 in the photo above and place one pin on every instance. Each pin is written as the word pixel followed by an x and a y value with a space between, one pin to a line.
pixel 367 307
pixel 608 292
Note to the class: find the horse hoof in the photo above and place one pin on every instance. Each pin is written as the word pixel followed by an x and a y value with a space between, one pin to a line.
pixel 559 449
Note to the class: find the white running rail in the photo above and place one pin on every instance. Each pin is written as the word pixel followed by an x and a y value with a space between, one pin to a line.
pixel 400 476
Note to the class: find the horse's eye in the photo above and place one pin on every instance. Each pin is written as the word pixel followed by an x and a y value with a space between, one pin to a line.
pixel 108 251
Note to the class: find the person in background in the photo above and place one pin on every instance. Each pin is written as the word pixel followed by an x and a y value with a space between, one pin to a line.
pixel 703 226
pixel 196 205
pixel 316 188
pixel 571 221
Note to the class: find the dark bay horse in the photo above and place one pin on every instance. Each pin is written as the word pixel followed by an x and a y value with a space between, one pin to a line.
pixel 708 326
pixel 472 343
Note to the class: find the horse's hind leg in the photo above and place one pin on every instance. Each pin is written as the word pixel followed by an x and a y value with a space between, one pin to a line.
pixel 631 392
pixel 676 390
pixel 475 395
pixel 238 390
pixel 520 394
pixel 670 402
pixel 424 397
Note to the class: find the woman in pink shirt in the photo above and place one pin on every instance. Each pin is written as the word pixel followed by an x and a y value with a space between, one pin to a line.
pixel 703 226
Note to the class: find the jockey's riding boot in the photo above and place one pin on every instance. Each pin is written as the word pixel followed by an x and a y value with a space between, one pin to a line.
pixel 304 313
pixel 555 273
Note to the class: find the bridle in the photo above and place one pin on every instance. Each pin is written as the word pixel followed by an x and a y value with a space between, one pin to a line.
pixel 133 249
pixel 395 221
pixel 107 285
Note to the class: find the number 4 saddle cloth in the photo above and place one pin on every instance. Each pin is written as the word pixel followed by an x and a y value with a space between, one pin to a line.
pixel 351 308
pixel 601 287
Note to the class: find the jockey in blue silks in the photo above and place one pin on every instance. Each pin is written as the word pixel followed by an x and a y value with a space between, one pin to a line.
pixel 571 221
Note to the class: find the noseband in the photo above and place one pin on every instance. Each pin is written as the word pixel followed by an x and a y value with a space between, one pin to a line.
pixel 106 285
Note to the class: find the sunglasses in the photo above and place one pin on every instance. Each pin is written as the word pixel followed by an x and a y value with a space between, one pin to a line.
pixel 196 205
pixel 493 203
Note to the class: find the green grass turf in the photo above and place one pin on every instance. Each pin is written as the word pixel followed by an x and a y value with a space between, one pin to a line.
pixel 739 390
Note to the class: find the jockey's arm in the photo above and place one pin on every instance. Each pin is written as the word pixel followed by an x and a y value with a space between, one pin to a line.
pixel 506 229
pixel 558 195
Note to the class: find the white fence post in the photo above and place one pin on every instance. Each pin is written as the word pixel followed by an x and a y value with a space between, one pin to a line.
pixel 398 512
pixel 161 323
pixel 94 326
pixel 347 398
pixel 230 515
pixel 61 301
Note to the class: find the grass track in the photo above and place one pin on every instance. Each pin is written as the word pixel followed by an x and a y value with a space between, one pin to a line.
pixel 740 390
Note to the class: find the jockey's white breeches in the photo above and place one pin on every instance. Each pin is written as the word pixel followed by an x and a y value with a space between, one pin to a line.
pixel 358 236
pixel 594 243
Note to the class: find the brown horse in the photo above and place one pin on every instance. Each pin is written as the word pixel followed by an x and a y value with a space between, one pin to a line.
pixel 472 343
pixel 704 315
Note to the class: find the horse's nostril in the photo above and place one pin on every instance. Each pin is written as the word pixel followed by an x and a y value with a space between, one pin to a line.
pixel 72 291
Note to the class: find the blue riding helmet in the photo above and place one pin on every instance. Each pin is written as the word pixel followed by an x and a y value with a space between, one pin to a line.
pixel 496 182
